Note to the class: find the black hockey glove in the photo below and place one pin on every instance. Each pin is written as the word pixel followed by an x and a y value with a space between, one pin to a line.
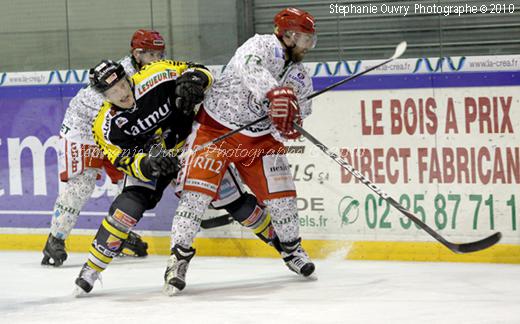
pixel 134 246
pixel 190 90
pixel 159 163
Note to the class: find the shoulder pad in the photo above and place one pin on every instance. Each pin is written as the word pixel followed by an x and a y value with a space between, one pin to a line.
pixel 154 74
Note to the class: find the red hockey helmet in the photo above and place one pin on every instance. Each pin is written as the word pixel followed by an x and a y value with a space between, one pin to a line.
pixel 293 19
pixel 147 40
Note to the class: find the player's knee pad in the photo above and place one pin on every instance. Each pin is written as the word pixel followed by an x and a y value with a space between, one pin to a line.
pixel 153 198
pixel 128 208
pixel 148 195
pixel 248 213
pixel 242 208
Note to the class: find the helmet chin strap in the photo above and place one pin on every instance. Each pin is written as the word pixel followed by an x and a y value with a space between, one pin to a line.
pixel 290 52
pixel 140 61
pixel 135 63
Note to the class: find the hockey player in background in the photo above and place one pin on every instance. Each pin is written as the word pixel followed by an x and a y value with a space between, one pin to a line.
pixel 264 77
pixel 80 159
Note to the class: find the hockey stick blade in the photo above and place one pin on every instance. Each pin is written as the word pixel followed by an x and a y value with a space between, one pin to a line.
pixel 399 50
pixel 477 245
pixel 217 221
pixel 456 248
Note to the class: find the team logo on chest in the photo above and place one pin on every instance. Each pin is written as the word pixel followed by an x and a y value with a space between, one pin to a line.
pixel 121 121
pixel 142 125
pixel 254 105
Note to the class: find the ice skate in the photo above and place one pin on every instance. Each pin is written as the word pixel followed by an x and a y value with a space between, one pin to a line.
pixel 175 275
pixel 85 281
pixel 296 258
pixel 54 253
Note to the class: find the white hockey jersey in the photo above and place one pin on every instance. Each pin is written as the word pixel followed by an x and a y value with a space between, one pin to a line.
pixel 83 108
pixel 238 95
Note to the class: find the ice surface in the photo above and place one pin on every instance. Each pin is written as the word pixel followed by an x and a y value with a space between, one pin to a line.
pixel 252 290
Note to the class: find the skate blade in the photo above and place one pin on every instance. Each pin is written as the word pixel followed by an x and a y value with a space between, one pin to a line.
pixel 301 277
pixel 50 262
pixel 311 277
pixel 78 292
pixel 52 265
pixel 170 290
pixel 46 260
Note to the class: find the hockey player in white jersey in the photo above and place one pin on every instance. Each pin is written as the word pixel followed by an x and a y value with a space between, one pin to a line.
pixel 264 77
pixel 80 159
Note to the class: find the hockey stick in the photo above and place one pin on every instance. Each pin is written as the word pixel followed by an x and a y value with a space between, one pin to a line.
pixel 224 136
pixel 217 221
pixel 399 51
pixel 457 248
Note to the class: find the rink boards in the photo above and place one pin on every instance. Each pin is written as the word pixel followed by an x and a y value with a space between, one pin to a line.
pixel 439 135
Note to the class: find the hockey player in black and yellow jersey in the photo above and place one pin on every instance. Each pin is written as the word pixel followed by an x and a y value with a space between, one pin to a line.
pixel 154 109
pixel 158 108
pixel 140 127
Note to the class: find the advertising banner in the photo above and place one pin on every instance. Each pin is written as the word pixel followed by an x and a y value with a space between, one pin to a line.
pixel 439 135
pixel 31 117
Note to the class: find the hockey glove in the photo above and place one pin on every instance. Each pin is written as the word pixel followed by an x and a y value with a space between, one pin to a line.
pixel 134 246
pixel 283 111
pixel 190 90
pixel 159 163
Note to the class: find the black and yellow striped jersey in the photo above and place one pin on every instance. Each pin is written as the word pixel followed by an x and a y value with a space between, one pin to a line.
pixel 125 135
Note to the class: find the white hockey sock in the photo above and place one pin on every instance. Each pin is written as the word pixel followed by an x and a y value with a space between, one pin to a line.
pixel 186 222
pixel 284 216
pixel 70 202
